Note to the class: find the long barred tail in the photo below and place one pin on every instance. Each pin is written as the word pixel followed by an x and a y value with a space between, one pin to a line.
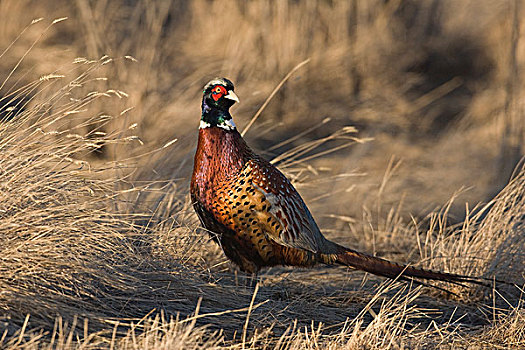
pixel 385 268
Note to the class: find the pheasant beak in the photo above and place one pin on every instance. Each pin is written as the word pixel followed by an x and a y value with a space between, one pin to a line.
pixel 231 96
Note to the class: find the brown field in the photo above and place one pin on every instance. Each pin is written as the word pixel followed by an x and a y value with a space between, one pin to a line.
pixel 403 133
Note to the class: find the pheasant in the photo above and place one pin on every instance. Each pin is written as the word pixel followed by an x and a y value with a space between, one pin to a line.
pixel 253 211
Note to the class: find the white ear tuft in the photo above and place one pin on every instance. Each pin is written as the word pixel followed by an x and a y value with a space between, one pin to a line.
pixel 215 81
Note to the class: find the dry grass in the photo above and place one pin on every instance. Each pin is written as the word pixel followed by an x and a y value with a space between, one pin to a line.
pixel 407 116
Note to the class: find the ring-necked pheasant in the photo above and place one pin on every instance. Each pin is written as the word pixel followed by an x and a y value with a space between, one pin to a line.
pixel 255 214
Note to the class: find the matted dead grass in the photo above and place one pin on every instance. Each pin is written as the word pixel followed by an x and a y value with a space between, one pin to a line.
pixel 79 271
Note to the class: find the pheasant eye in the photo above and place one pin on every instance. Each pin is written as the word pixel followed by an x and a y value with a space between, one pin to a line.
pixel 217 92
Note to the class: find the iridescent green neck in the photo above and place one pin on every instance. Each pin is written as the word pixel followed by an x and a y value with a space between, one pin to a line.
pixel 216 117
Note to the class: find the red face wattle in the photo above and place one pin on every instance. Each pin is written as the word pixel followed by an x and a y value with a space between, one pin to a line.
pixel 218 91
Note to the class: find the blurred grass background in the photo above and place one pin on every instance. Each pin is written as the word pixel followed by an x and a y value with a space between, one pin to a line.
pixel 433 88
pixel 435 83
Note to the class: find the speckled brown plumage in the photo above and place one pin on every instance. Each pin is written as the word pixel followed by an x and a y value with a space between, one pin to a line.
pixel 253 211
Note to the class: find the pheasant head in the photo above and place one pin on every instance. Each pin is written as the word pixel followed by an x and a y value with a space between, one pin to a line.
pixel 218 97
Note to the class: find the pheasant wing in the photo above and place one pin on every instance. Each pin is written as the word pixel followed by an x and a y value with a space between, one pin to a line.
pixel 295 226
